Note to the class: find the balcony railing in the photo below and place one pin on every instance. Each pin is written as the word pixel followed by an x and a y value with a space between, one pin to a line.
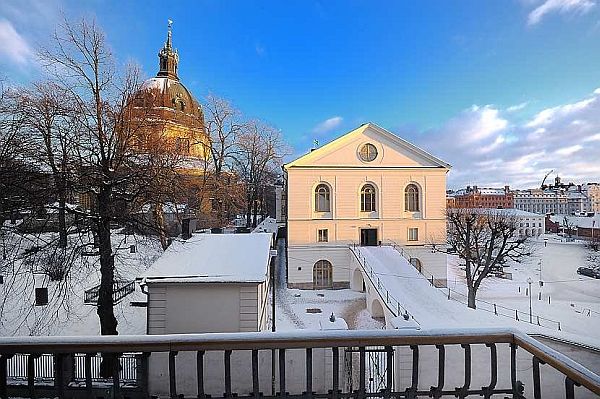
pixel 120 290
pixel 514 364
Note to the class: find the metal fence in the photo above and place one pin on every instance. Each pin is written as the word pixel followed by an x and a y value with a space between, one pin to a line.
pixel 535 360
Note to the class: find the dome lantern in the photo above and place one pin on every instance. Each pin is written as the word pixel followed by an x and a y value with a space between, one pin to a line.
pixel 168 57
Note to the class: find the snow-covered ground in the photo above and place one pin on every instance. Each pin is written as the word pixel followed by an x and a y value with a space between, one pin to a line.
pixel 566 297
pixel 66 313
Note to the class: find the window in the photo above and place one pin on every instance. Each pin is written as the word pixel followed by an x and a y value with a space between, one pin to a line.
pixel 322 235
pixel 413 234
pixel 368 152
pixel 322 199
pixel 367 198
pixel 411 198
pixel 322 274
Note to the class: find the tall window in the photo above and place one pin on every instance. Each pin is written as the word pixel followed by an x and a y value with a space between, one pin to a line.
pixel 322 274
pixel 322 198
pixel 367 198
pixel 411 198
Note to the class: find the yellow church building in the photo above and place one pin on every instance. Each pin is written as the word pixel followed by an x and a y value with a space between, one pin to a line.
pixel 368 187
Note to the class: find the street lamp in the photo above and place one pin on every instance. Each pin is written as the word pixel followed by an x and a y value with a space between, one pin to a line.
pixel 529 281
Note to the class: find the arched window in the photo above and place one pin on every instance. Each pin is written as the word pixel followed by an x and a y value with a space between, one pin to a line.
pixel 367 198
pixel 416 263
pixel 411 198
pixel 322 198
pixel 322 274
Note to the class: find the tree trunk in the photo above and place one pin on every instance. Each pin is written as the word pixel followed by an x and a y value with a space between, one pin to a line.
pixel 254 213
pixel 159 220
pixel 108 321
pixel 472 294
pixel 248 211
pixel 62 222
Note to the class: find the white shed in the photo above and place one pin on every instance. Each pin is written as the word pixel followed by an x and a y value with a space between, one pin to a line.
pixel 210 283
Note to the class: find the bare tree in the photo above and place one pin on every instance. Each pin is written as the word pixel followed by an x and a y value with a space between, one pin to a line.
pixel 486 240
pixel 568 226
pixel 224 124
pixel 48 123
pixel 260 154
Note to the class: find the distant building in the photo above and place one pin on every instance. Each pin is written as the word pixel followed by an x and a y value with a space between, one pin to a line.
pixel 528 224
pixel 475 197
pixel 558 198
pixel 578 226
pixel 592 192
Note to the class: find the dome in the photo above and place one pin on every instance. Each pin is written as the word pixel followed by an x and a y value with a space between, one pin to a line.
pixel 167 93
pixel 164 107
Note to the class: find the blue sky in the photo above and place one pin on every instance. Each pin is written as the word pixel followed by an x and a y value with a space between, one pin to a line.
pixel 465 80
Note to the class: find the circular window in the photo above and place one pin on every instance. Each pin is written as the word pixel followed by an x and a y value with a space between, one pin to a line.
pixel 368 152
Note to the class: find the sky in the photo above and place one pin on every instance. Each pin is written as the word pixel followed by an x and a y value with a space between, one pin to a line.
pixel 503 90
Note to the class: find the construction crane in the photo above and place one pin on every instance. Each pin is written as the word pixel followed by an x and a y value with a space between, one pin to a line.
pixel 545 177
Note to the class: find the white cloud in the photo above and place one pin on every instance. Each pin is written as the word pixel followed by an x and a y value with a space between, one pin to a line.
pixel 548 115
pixel 13 45
pixel 595 137
pixel 560 6
pixel 328 125
pixel 477 123
pixel 517 107
pixel 566 151
pixel 487 146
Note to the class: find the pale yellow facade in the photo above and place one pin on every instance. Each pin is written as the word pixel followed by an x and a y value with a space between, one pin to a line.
pixel 339 166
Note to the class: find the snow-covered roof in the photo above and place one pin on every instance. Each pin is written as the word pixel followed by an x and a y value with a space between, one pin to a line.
pixel 157 83
pixel 586 222
pixel 269 225
pixel 508 211
pixel 212 258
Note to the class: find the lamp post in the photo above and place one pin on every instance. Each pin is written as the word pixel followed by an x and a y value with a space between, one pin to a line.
pixel 529 281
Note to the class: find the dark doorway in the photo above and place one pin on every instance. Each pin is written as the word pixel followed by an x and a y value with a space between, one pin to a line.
pixel 368 237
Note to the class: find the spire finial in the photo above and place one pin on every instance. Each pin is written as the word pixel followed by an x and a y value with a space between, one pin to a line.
pixel 169 29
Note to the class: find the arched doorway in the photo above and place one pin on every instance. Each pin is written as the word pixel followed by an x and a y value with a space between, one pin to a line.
pixel 377 310
pixel 416 263
pixel 322 274
pixel 358 284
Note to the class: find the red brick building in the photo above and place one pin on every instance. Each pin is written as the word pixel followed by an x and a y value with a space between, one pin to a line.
pixel 475 197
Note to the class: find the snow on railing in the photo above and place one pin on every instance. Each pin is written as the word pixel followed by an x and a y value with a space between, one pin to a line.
pixel 394 305
pixel 544 364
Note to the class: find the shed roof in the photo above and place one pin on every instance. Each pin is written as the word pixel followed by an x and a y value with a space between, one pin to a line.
pixel 214 258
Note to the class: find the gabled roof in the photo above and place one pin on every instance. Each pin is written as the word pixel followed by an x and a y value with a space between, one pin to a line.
pixel 332 145
pixel 214 258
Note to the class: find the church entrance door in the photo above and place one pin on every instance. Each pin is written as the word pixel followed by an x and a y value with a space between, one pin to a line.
pixel 368 237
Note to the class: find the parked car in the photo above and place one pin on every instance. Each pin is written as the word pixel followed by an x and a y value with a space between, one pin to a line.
pixel 587 271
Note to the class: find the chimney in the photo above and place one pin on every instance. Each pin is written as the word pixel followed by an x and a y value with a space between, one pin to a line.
pixel 188 225
pixel 506 189
pixel 475 189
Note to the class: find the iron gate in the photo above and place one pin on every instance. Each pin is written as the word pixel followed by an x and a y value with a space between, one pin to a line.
pixel 378 373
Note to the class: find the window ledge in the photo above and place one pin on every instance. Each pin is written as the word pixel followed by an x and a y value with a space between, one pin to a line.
pixel 322 215
pixel 413 215
pixel 368 215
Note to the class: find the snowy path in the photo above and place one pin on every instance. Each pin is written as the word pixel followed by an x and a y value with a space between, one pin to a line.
pixel 428 305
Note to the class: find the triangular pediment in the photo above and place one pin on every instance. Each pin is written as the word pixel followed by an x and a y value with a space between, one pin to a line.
pixel 391 151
